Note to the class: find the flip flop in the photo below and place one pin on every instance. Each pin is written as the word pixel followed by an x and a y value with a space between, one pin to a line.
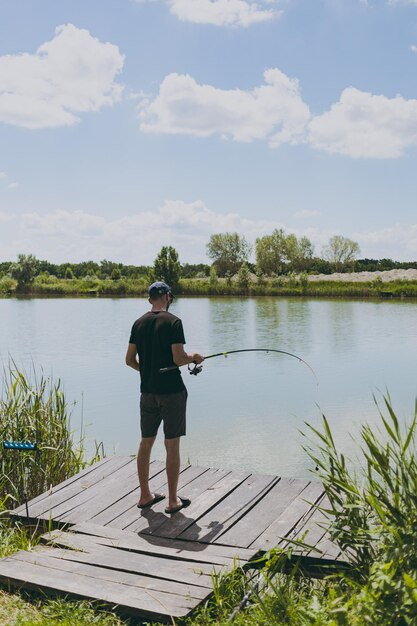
pixel 157 498
pixel 184 503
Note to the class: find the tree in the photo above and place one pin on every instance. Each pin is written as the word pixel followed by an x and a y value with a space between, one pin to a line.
pixel 271 252
pixel 25 270
pixel 278 252
pixel 299 252
pixel 243 277
pixel 341 251
pixel 228 251
pixel 167 267
pixel 69 274
pixel 116 274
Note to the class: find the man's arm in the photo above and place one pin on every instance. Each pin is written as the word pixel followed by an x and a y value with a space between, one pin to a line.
pixel 181 357
pixel 131 356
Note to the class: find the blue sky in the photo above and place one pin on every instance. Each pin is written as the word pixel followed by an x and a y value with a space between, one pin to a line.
pixel 126 125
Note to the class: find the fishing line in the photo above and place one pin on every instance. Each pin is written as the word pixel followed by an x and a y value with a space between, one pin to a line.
pixel 197 369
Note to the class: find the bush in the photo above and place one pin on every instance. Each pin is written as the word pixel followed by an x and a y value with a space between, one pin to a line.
pixel 7 285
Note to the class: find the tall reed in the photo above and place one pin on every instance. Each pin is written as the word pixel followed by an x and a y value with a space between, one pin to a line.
pixel 37 411
pixel 373 515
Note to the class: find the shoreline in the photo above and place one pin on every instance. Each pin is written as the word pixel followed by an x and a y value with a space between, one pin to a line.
pixel 396 283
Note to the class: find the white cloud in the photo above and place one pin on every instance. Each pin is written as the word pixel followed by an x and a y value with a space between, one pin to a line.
pixel 222 12
pixel 3 175
pixel 61 236
pixel 5 217
pixel 13 186
pixel 73 73
pixel 363 125
pixel 76 235
pixel 274 111
pixel 359 125
pixel 413 48
pixel 307 213
pixel 397 242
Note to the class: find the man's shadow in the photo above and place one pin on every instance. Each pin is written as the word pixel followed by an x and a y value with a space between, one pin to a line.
pixel 193 542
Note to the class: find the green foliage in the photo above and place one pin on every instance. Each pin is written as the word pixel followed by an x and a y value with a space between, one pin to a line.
pixel 116 274
pixel 167 266
pixel 304 282
pixel 271 252
pixel 69 274
pixel 17 610
pixel 373 516
pixel 279 252
pixel 214 279
pixel 228 251
pixel 24 270
pixel 195 270
pixel 243 278
pixel 37 412
pixel 341 252
pixel 7 285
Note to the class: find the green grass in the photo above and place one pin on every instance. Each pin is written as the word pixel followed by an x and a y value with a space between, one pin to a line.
pixel 264 286
pixel 36 410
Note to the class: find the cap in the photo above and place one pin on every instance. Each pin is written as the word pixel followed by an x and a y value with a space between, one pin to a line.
pixel 159 288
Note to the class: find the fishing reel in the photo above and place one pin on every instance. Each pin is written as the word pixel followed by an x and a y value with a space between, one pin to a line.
pixel 197 369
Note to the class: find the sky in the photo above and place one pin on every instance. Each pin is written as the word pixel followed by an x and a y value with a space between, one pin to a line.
pixel 127 125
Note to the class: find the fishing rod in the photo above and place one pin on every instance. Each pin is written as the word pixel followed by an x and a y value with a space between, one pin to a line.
pixel 197 369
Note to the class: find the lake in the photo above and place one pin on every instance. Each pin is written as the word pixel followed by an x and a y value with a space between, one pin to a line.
pixel 245 411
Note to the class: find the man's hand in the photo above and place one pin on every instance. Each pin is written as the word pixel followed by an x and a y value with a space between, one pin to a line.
pixel 197 358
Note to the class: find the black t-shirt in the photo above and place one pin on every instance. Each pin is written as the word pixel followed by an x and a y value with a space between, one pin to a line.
pixel 153 334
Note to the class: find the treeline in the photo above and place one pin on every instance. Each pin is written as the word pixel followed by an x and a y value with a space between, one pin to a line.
pixel 104 269
pixel 278 255
pixel 114 271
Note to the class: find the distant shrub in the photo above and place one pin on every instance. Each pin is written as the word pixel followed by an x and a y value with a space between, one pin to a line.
pixel 7 284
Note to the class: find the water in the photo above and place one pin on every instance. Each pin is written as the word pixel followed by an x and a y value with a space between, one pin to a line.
pixel 244 411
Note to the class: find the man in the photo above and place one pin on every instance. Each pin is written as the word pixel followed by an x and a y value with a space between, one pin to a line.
pixel 157 340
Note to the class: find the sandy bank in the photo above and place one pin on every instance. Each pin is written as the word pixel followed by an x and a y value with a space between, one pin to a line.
pixel 362 277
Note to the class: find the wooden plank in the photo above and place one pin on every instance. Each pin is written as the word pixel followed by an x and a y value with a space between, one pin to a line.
pixel 175 525
pixel 44 508
pixel 57 558
pixel 290 518
pixel 133 541
pixel 126 508
pixel 230 510
pixel 312 530
pixel 151 519
pixel 159 567
pixel 64 511
pixel 170 548
pixel 90 470
pixel 266 511
pixel 30 575
pixel 330 551
pixel 101 496
pixel 157 484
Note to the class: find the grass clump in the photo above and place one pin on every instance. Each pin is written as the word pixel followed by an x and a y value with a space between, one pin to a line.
pixel 37 412
pixel 17 610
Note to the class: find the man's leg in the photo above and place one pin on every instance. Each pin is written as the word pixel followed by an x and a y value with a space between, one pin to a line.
pixel 143 459
pixel 172 447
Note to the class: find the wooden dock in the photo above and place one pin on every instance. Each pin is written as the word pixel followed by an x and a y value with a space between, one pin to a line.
pixel 156 565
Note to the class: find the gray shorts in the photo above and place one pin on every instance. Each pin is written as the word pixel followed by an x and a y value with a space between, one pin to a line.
pixel 169 408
